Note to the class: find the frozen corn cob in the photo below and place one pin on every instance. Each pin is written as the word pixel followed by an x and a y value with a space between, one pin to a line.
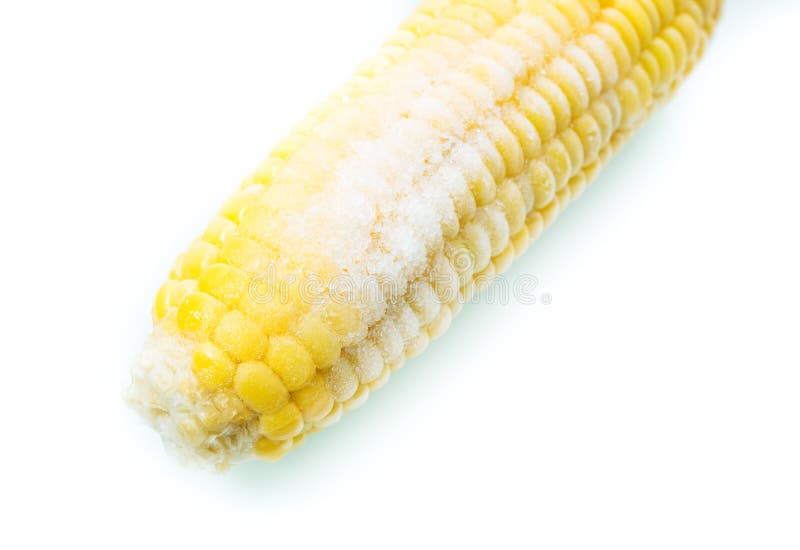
pixel 357 240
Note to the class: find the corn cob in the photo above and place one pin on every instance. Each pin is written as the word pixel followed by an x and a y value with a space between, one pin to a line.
pixel 442 159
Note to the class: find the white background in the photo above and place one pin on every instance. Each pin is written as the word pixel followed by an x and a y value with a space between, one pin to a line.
pixel 654 404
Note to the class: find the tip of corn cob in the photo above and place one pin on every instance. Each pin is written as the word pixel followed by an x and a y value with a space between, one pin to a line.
pixel 165 392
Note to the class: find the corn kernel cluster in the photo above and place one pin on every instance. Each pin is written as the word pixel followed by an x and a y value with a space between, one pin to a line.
pixel 526 101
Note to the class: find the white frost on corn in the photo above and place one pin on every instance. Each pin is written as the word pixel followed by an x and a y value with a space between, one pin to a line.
pixel 164 391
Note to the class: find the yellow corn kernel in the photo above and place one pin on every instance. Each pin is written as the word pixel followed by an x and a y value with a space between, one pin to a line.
pixel 246 254
pixel 199 314
pixel 259 387
pixel 171 295
pixel 567 77
pixel 559 161
pixel 546 10
pixel 538 111
pixel 240 337
pixel 557 100
pixel 267 170
pixel 513 204
pixel 283 424
pixel 626 27
pixel 212 368
pixel 291 361
pixel 613 39
pixel 477 239
pixel 270 450
pixel 235 206
pixel 224 282
pixel 341 380
pixel 523 130
pixel 218 230
pixel 192 263
pixel 344 318
pixel 321 341
pixel 508 146
pixel 314 401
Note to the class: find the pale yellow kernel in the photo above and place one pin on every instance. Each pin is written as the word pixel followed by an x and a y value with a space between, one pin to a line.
pixel 604 119
pixel 199 314
pixel 476 18
pixel 477 239
pixel 291 361
pixel 387 338
pixel 240 337
pixel 616 44
pixel 212 368
pixel 586 67
pixel 417 345
pixel 503 260
pixel 444 280
pixel 574 12
pixel 422 298
pixel 523 185
pixel 577 185
pixel 678 46
pixel 259 387
pixel 367 362
pixel 572 142
pixel 225 283
pixel 643 84
pixel 666 61
pixel 530 50
pixel 507 145
pixel 547 11
pixel 653 14
pixel 649 63
pixel 543 183
pixel 690 32
pixel 521 241
pixel 194 260
pixel 314 400
pixel 236 205
pixel 460 258
pixel 564 197
pixel 452 28
pixel 344 318
pixel 513 204
pixel 603 57
pixel 269 450
pixel 491 157
pixel 332 417
pixel 285 423
pixel 358 399
pixel 381 380
pixel 246 254
pixel 322 342
pixel 538 111
pixel 632 108
pixel 501 10
pixel 495 222
pixel 632 22
pixel 341 380
pixel 535 223
pixel 550 212
pixel 440 323
pixel 482 185
pixel 589 132
pixel 268 169
pixel 666 9
pixel 218 230
pixel 171 295
pixel 567 77
pixel 557 100
pixel 559 159
pixel 523 130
